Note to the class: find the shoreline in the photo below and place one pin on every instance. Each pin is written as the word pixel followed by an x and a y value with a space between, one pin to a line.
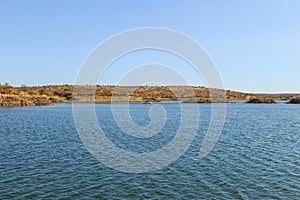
pixel 137 102
pixel 49 95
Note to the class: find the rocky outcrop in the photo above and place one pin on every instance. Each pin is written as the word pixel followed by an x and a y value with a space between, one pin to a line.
pixel 23 100
pixel 294 101
pixel 261 101
pixel 200 100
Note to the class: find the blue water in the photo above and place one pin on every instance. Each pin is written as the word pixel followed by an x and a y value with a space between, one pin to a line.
pixel 257 156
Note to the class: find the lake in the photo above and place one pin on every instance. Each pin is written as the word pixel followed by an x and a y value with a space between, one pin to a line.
pixel 257 155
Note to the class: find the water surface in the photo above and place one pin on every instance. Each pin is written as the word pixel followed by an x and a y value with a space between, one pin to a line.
pixel 257 156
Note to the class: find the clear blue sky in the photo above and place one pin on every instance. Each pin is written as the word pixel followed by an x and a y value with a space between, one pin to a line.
pixel 255 44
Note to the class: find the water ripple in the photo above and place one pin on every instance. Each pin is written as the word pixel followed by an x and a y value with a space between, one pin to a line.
pixel 257 157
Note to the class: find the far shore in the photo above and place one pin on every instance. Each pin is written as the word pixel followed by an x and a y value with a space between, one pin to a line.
pixel 51 94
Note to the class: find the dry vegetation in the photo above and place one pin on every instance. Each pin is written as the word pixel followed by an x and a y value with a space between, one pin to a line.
pixel 134 94
pixel 47 95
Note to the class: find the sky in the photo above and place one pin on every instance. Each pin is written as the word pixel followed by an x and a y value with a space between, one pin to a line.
pixel 255 45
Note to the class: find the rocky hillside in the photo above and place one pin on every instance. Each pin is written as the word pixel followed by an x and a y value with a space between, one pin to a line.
pixel 10 96
pixel 23 100
pixel 47 95
pixel 66 93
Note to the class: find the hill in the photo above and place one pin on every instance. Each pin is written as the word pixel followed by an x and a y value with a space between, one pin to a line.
pixel 49 94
